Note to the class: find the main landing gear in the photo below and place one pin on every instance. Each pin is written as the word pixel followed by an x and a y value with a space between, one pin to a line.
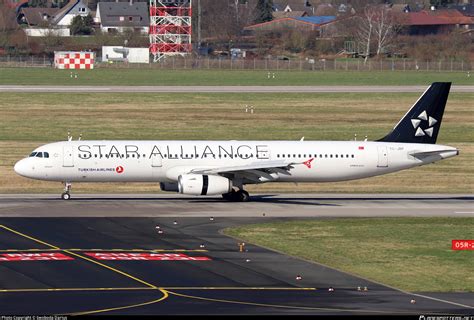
pixel 67 189
pixel 237 196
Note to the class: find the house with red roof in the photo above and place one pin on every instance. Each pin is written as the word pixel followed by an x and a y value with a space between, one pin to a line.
pixel 435 21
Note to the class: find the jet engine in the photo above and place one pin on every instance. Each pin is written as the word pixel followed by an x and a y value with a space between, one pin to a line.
pixel 199 184
pixel 169 186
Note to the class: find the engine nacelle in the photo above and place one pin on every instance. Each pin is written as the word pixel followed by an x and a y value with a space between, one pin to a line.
pixel 169 186
pixel 201 184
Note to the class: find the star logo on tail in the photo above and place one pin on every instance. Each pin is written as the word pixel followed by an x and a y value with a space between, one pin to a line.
pixel 416 122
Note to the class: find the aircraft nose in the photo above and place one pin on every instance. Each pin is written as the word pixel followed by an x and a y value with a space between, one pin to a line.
pixel 21 168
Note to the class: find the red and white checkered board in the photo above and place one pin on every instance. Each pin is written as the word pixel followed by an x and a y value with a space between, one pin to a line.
pixel 75 61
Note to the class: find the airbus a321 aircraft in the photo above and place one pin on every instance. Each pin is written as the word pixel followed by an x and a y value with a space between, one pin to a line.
pixel 225 167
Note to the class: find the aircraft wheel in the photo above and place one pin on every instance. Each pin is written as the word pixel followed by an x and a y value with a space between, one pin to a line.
pixel 243 196
pixel 65 196
pixel 231 196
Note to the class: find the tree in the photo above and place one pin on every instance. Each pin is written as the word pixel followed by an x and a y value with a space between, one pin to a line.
pixel 8 24
pixel 81 25
pixel 51 41
pixel 365 30
pixel 264 11
pixel 37 3
pixel 440 3
pixel 222 20
pixel 377 26
pixel 385 29
pixel 7 18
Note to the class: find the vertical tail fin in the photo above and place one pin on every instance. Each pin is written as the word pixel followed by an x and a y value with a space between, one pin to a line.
pixel 422 122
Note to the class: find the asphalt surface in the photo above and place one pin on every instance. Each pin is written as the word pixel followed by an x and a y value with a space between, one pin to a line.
pixel 256 281
pixel 272 205
pixel 225 89
pixel 103 254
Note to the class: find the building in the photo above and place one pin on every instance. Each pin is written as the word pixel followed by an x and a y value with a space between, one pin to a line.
pixel 36 17
pixel 64 16
pixel 121 16
pixel 435 21
pixel 43 21
pixel 306 23
pixel 303 7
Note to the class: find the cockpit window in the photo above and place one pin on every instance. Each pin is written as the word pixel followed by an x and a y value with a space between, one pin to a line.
pixel 40 154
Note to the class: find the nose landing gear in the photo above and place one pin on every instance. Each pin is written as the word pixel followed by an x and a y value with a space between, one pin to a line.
pixel 67 188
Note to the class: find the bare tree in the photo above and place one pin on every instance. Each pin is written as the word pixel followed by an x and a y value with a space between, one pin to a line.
pixel 365 30
pixel 7 18
pixel 385 29
pixel 378 26
pixel 224 19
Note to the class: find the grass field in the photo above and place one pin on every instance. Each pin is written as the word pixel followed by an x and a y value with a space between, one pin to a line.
pixel 157 77
pixel 412 254
pixel 29 120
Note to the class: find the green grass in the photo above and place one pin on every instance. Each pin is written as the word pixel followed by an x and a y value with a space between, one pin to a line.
pixel 412 254
pixel 157 77
pixel 28 120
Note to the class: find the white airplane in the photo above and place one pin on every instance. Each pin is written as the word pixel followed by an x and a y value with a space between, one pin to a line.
pixel 225 167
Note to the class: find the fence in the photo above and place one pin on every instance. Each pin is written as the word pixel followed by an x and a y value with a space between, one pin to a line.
pixel 266 64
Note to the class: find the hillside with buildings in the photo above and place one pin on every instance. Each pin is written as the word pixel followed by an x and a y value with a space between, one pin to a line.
pixel 291 29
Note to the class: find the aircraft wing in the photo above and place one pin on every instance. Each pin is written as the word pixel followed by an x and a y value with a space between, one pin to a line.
pixel 256 172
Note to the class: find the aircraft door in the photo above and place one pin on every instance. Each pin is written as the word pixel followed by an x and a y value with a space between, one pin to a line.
pixel 382 157
pixel 68 156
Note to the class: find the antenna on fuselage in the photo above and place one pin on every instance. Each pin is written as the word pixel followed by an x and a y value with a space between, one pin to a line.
pixel 69 137
pixel 355 137
pixel 365 138
pixel 302 139
pixel 80 137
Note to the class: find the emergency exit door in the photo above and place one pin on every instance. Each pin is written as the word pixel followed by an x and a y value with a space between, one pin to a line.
pixel 382 157
pixel 68 156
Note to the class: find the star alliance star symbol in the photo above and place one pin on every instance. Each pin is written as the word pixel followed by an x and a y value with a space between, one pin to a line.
pixel 417 121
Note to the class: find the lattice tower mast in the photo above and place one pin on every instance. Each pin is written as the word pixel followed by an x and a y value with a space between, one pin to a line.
pixel 170 28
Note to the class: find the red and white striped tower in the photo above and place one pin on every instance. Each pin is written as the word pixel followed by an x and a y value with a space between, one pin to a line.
pixel 170 28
